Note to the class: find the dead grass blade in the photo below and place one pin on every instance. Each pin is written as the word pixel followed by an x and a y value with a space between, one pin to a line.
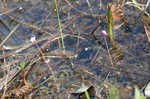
pixel 147 33
pixel 146 20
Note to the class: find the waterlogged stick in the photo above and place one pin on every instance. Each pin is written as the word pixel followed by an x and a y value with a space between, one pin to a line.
pixel 146 20
pixel 14 29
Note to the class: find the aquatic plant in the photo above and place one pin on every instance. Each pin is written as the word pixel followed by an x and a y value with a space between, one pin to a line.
pixel 60 25
pixel 138 94
pixel 86 92
pixel 110 22
pixel 23 72
pixel 104 33
pixel 111 35
pixel 113 92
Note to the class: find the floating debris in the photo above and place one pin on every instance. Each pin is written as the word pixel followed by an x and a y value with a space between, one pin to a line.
pixel 80 93
pixel 147 90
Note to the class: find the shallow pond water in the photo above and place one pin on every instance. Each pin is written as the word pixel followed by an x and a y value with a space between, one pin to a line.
pixel 85 57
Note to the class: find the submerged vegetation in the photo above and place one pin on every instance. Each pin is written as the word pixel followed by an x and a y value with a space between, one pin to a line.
pixel 74 49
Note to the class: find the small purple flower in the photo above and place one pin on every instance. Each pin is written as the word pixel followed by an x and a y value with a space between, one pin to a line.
pixel 104 33
pixel 33 39
pixel 47 61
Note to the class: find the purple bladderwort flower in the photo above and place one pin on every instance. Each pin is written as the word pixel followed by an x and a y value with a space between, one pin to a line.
pixel 104 33
pixel 33 39
pixel 47 61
